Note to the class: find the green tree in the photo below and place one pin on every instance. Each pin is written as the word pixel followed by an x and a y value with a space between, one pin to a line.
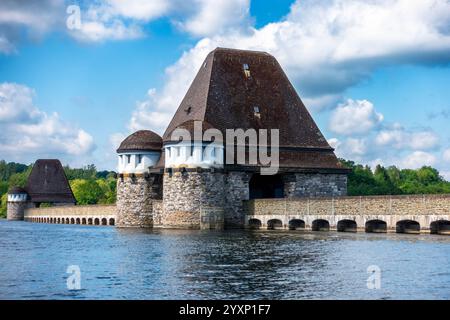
pixel 108 187
pixel 86 191
pixel 3 201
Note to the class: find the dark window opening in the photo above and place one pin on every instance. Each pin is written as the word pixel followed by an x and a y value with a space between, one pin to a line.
pixel 262 186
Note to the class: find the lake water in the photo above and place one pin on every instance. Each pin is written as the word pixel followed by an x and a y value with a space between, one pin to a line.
pixel 169 264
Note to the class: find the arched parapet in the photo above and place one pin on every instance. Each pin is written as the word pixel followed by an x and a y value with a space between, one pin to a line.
pixel 376 226
pixel 347 225
pixel 408 226
pixel 254 224
pixel 296 224
pixel 320 225
pixel 440 227
pixel 274 224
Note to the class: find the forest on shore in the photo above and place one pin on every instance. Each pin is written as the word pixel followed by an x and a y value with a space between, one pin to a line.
pixel 99 187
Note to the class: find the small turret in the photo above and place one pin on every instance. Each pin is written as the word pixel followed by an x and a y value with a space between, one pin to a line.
pixel 139 152
pixel 137 188
pixel 17 203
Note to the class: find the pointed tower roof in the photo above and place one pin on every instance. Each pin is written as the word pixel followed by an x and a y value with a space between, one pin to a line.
pixel 248 89
pixel 48 183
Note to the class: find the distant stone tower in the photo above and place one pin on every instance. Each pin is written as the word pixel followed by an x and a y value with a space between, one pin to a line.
pixel 194 181
pixel 17 203
pixel 136 186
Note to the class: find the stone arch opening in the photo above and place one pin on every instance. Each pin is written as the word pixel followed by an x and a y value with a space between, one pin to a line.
pixel 346 226
pixel 408 226
pixel 376 226
pixel 89 220
pixel 67 221
pixel 58 220
pixel 104 221
pixel 296 224
pixel 72 221
pixel 320 225
pixel 254 224
pixel 78 221
pixel 266 186
pixel 440 227
pixel 96 221
pixel 111 221
pixel 83 221
pixel 274 224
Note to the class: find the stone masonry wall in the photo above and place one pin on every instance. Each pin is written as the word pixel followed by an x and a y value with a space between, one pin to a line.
pixel 236 191
pixel 300 185
pixel 135 194
pixel 186 194
pixel 16 210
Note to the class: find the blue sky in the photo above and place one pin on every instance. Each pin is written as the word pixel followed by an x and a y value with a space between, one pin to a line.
pixel 374 74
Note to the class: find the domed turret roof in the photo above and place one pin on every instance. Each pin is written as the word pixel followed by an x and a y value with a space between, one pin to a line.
pixel 17 190
pixel 142 140
pixel 190 127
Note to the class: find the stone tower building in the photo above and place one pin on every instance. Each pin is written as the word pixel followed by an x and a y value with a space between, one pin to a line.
pixel 47 183
pixel 201 188
pixel 17 203
pixel 136 186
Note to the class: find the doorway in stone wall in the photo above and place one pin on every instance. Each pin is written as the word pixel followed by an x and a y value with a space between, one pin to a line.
pixel 262 186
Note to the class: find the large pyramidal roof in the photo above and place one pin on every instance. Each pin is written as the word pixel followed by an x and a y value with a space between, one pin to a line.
pixel 48 183
pixel 248 89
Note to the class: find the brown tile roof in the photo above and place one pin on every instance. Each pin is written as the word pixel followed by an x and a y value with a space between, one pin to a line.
pixel 48 183
pixel 143 140
pixel 16 190
pixel 248 89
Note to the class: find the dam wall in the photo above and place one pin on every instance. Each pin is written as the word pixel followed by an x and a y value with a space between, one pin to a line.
pixel 414 213
pixel 86 214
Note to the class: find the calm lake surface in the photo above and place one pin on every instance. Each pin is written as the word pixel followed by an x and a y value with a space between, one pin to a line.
pixel 169 264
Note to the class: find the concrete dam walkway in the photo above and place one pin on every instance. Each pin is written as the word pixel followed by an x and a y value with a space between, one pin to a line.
pixel 401 214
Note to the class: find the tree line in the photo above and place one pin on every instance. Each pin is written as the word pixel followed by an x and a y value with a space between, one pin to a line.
pixel 90 186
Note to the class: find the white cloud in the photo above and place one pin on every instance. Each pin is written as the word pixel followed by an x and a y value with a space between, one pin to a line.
pixel 400 138
pixel 446 155
pixel 325 47
pixel 354 117
pixel 214 17
pixel 418 159
pixel 446 175
pixel 140 9
pixel 350 148
pixel 36 17
pixel 120 20
pixel 32 133
pixel 100 22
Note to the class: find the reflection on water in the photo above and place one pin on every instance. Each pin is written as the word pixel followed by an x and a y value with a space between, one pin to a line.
pixel 171 264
